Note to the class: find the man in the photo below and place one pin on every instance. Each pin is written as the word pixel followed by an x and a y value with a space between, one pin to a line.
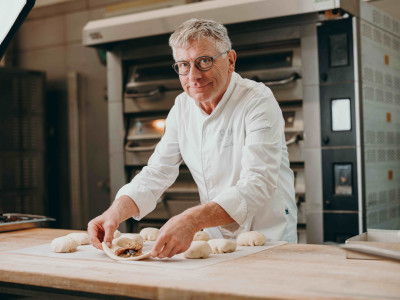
pixel 230 133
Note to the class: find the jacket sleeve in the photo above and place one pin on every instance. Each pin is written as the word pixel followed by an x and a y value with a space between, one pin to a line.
pixel 260 162
pixel 160 173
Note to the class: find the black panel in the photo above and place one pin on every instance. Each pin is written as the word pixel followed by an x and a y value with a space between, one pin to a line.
pixel 22 142
pixel 338 130
pixel 335 50
pixel 338 227
pixel 328 93
pixel 337 183
pixel 339 50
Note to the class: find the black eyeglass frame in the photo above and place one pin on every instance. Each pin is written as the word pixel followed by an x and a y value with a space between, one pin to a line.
pixel 195 63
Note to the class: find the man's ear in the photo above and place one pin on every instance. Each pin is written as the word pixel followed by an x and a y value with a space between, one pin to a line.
pixel 232 60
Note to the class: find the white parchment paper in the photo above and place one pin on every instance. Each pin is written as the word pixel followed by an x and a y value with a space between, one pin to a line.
pixel 88 252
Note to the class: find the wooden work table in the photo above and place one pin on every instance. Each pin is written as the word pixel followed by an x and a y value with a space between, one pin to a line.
pixel 286 272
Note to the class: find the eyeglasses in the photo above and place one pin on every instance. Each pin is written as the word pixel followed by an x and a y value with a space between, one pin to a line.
pixel 203 63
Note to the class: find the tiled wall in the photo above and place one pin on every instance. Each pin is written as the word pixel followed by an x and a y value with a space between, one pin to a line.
pixel 50 41
pixel 380 60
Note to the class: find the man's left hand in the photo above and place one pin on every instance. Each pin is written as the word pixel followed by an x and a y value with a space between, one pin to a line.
pixel 175 236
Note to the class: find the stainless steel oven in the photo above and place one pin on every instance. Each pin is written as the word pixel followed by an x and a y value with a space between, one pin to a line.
pixel 307 52
pixel 144 132
pixel 151 87
pixel 143 135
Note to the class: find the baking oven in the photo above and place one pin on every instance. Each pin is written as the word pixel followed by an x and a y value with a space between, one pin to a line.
pixel 278 64
pixel 150 89
pixel 144 132
pixel 320 60
pixel 309 53
pixel 143 135
pixel 151 86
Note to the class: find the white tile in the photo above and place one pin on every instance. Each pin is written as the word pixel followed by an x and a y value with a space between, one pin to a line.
pixel 42 33
pixel 49 60
pixel 116 128
pixel 96 14
pixel 74 25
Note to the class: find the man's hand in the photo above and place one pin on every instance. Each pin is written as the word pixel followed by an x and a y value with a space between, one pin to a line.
pixel 175 236
pixel 102 228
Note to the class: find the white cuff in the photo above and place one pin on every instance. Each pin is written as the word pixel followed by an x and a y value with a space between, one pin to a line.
pixel 232 202
pixel 143 198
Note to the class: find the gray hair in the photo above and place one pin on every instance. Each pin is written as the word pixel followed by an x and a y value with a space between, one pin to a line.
pixel 195 29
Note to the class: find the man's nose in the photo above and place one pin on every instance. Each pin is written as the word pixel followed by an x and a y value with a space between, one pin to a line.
pixel 194 73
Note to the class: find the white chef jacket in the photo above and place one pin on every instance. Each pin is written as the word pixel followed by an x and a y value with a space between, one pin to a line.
pixel 237 156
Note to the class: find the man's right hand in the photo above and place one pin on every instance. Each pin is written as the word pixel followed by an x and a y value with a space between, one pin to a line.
pixel 102 228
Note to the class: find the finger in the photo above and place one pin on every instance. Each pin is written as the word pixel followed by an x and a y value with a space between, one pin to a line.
pixel 165 252
pixel 108 235
pixel 173 252
pixel 156 250
pixel 94 234
pixel 158 246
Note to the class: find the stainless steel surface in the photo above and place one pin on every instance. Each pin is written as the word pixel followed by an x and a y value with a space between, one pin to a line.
pixel 294 131
pixel 78 199
pixel 371 250
pixel 283 81
pixel 164 21
pixel 115 125
pixel 277 63
pixel 312 137
pixel 357 92
pixel 24 221
pixel 144 133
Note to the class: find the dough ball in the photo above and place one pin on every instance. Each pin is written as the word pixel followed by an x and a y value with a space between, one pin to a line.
pixel 219 246
pixel 128 238
pixel 149 233
pixel 201 236
pixel 127 242
pixel 117 234
pixel 64 244
pixel 251 238
pixel 82 238
pixel 198 249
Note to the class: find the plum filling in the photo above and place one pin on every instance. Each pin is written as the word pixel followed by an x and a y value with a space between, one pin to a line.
pixel 129 251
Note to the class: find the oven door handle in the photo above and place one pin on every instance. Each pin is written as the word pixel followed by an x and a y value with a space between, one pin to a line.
pixel 130 148
pixel 291 78
pixel 294 140
pixel 148 94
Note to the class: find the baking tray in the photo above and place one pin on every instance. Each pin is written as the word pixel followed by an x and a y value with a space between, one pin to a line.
pixel 374 244
pixel 23 221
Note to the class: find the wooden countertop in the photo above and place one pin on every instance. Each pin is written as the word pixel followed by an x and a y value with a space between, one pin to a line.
pixel 286 272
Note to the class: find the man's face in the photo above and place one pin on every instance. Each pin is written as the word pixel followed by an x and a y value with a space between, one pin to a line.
pixel 206 87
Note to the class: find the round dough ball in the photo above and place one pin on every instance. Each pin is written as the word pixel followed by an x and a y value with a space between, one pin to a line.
pixel 219 246
pixel 201 236
pixel 117 234
pixel 128 238
pixel 198 249
pixel 127 242
pixel 149 233
pixel 251 238
pixel 82 238
pixel 64 244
